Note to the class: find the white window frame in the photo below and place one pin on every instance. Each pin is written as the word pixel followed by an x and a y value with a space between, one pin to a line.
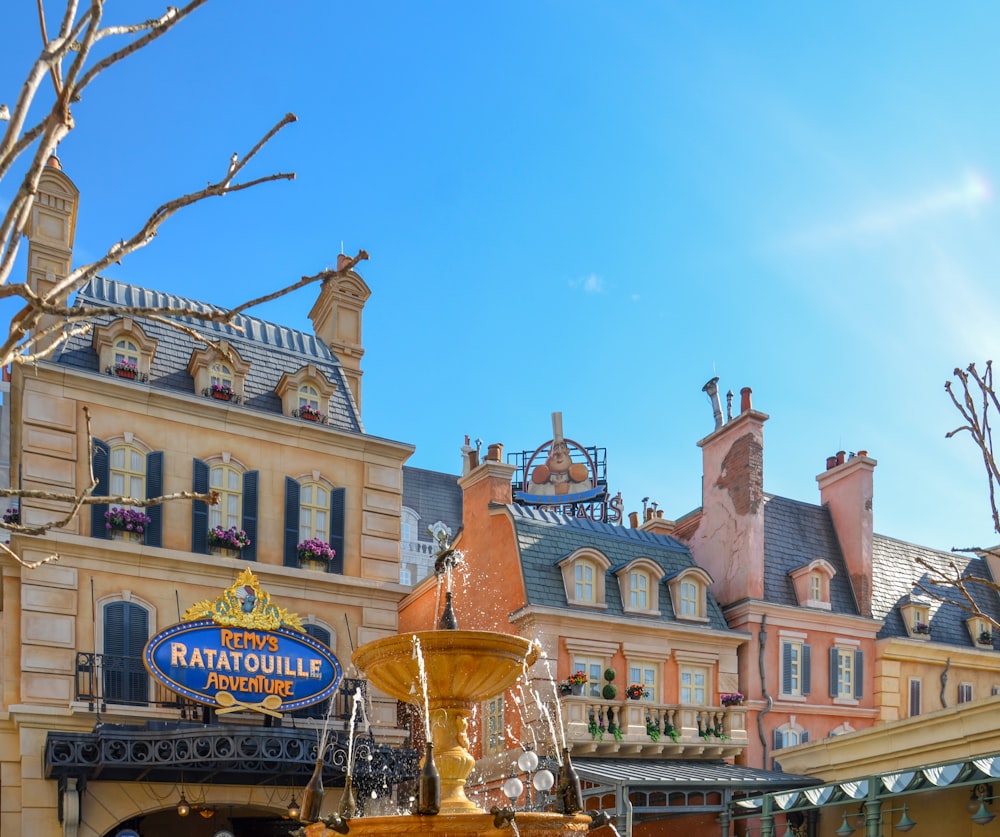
pixel 221 476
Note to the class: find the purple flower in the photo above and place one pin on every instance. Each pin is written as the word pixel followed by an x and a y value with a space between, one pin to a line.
pixel 128 520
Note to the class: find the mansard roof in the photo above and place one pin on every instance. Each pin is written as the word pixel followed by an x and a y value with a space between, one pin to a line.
pixel 895 571
pixel 272 350
pixel 544 539
pixel 796 533
pixel 434 496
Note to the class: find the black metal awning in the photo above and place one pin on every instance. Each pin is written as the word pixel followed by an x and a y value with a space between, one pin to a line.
pixel 219 754
pixel 687 774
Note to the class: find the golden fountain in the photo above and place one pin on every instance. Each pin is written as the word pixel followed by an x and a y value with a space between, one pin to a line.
pixel 446 673
pixel 462 668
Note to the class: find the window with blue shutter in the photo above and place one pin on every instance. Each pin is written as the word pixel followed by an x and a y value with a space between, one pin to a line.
pixel 337 504
pixel 126 629
pixel 199 509
pixel 154 488
pixel 291 522
pixel 250 479
pixel 100 463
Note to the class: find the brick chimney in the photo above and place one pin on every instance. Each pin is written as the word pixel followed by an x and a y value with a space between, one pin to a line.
pixel 336 319
pixel 50 231
pixel 846 488
pixel 729 541
pixel 487 483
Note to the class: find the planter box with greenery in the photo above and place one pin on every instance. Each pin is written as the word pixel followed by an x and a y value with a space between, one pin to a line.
pixel 230 540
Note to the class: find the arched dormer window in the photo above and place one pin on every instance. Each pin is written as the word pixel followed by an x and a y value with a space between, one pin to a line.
pixel 916 615
pixel 639 582
pixel 812 583
pixel 584 578
pixel 124 350
pixel 219 373
pixel 688 594
pixel 306 394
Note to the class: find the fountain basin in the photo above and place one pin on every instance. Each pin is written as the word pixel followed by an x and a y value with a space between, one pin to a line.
pixel 462 667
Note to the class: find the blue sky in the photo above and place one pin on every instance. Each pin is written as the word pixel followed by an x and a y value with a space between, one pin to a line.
pixel 593 207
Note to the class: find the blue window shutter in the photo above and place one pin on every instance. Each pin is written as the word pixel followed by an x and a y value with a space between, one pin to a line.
pixel 126 629
pixel 803 736
pixel 859 674
pixel 786 668
pixel 806 669
pixel 154 488
pixel 199 510
pixel 101 464
pixel 834 685
pixel 250 479
pixel 318 633
pixel 337 498
pixel 779 739
pixel 292 494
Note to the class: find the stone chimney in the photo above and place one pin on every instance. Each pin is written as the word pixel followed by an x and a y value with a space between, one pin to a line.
pixel 336 319
pixel 846 488
pixel 487 483
pixel 729 541
pixel 50 231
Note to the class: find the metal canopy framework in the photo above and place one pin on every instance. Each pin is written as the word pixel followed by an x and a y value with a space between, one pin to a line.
pixel 867 795
pixel 678 787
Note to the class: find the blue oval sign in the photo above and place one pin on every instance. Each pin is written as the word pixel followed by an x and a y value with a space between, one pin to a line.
pixel 242 668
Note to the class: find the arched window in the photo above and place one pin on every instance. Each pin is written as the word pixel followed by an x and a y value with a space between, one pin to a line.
pixel 639 589
pixel 128 471
pixel 583 573
pixel 237 508
pixel 221 375
pixel 690 597
pixel 126 629
pixel 126 352
pixel 314 512
pixel 308 397
pixel 314 509
pixel 228 481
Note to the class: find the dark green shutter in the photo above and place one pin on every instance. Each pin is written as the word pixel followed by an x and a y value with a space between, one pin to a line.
pixel 101 465
pixel 126 629
pixel 786 668
pixel 806 669
pixel 859 674
pixel 250 479
pixel 337 500
pixel 292 495
pixel 154 488
pixel 199 510
pixel 834 679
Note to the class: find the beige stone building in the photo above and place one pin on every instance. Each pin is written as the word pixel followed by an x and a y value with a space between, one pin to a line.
pixel 90 743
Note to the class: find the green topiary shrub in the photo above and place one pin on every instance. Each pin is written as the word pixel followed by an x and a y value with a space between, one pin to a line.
pixel 609 674
pixel 609 692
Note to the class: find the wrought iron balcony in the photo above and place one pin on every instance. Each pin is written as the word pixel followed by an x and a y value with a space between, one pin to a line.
pixel 643 728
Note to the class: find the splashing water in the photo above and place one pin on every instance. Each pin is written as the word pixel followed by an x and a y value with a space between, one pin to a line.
pixel 558 703
pixel 350 730
pixel 543 710
pixel 419 656
pixel 522 705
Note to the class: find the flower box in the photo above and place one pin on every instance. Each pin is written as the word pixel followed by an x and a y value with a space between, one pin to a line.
pixel 731 698
pixel 232 539
pixel 12 516
pixel 126 369
pixel 315 554
pixel 635 691
pixel 126 524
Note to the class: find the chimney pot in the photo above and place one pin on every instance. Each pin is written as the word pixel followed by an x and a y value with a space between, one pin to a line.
pixel 862 453
pixel 840 457
pixel 831 462
pixel 494 453
pixel 473 459
pixel 745 403
pixel 633 519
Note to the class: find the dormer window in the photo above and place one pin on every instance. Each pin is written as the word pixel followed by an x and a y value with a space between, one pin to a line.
pixel 639 582
pixel 306 394
pixel 584 578
pixel 980 631
pixel 688 592
pixel 917 618
pixel 812 583
pixel 124 350
pixel 219 373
